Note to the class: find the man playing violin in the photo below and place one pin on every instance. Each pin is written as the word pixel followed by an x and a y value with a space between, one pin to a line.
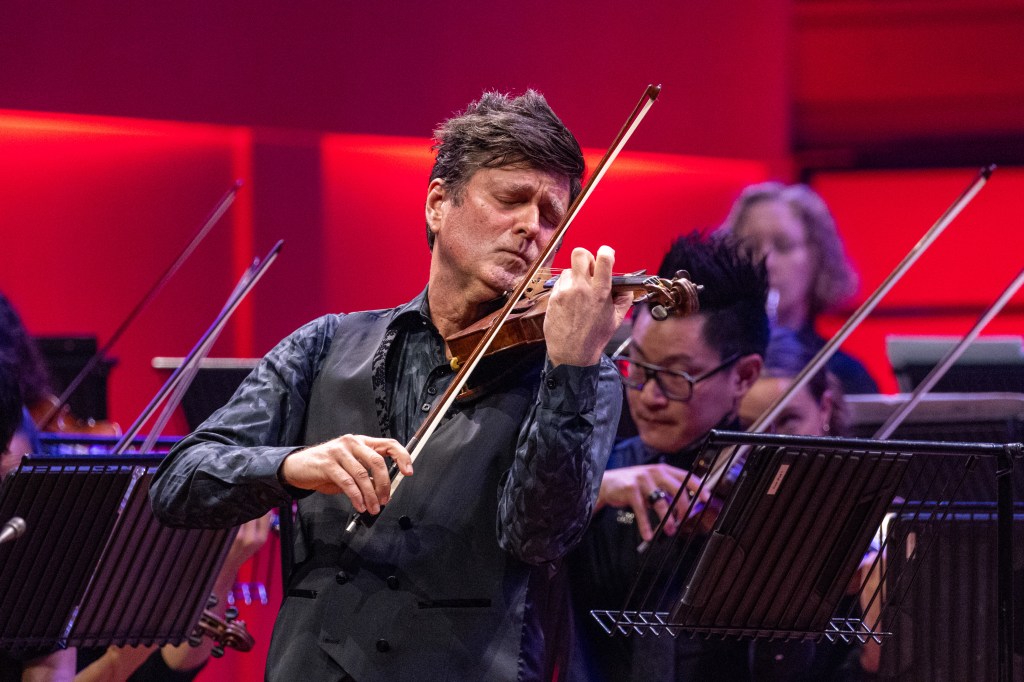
pixel 683 376
pixel 460 576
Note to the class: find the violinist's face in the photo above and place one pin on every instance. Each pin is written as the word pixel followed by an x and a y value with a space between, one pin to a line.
pixel 802 416
pixel 487 241
pixel 678 343
pixel 774 232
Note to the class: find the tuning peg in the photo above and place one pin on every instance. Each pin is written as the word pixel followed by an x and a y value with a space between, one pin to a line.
pixel 212 601
pixel 217 651
pixel 195 639
pixel 230 614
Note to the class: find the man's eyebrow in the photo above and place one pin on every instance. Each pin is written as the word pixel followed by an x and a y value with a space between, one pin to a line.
pixel 519 186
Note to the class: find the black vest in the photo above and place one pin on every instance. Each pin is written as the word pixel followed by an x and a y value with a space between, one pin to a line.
pixel 425 592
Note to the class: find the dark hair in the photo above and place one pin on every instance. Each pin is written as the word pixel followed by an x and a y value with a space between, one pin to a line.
pixel 734 293
pixel 834 277
pixel 33 379
pixel 499 130
pixel 10 399
pixel 787 356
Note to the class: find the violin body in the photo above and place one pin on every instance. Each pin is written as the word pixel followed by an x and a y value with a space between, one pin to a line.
pixel 525 323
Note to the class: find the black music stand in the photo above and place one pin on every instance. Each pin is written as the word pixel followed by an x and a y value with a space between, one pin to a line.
pixel 795 526
pixel 95 567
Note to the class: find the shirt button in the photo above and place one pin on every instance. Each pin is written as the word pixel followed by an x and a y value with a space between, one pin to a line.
pixel 341 577
pixel 431 390
pixel 550 383
pixel 392 581
pixel 425 407
pixel 383 646
pixel 404 522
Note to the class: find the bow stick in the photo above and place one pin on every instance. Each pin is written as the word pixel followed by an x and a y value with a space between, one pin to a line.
pixel 248 281
pixel 937 372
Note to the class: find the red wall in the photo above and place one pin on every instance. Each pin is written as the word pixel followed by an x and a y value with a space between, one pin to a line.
pixel 399 68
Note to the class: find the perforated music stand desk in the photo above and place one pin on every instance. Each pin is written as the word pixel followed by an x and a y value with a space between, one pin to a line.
pixel 94 566
pixel 791 534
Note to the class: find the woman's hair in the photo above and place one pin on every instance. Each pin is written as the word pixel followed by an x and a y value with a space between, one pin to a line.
pixel 785 359
pixel 834 277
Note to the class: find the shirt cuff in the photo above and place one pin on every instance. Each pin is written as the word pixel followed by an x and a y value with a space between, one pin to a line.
pixel 266 469
pixel 569 388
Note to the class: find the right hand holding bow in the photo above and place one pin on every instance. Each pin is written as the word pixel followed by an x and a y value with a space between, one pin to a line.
pixel 351 464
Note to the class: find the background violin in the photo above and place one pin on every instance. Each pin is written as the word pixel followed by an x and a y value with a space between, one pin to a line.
pixel 65 421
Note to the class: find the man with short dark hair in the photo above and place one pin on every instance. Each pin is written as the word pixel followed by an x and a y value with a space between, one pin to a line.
pixel 683 376
pixel 460 577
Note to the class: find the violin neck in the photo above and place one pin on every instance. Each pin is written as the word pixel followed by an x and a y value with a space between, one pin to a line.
pixel 619 282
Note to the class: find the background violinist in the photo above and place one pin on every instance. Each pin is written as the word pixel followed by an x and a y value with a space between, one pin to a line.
pixel 461 574
pixel 683 376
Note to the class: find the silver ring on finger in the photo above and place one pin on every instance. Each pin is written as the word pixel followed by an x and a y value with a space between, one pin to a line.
pixel 656 495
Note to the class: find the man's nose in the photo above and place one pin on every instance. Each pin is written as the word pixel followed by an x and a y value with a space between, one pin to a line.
pixel 528 221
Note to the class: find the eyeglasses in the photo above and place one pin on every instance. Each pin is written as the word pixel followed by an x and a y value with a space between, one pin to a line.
pixel 674 384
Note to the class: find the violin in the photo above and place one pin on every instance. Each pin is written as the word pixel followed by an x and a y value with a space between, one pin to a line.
pixel 65 421
pixel 524 326
pixel 225 632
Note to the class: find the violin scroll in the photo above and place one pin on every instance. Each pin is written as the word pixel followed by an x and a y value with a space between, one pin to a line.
pixel 678 295
pixel 226 632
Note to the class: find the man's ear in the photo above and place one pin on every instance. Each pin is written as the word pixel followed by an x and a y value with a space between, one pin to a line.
pixel 747 370
pixel 435 206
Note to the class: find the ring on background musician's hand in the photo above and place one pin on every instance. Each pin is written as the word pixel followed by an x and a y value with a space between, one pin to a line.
pixel 657 494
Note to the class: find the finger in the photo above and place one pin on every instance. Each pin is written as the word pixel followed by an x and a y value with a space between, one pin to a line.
pixel 582 262
pixel 373 462
pixel 349 473
pixel 643 521
pixel 393 449
pixel 604 264
pixel 661 508
pixel 346 484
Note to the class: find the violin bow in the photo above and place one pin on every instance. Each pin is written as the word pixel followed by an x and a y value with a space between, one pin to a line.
pixel 184 371
pixel 829 349
pixel 937 372
pixel 426 429
pixel 219 209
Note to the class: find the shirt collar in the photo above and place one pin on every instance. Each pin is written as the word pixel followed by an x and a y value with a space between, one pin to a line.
pixel 416 311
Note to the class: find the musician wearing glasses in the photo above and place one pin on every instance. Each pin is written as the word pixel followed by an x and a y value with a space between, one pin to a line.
pixel 683 376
